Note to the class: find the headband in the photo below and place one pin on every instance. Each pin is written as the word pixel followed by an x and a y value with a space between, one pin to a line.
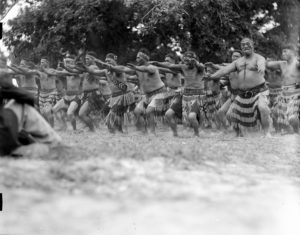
pixel 144 56
pixel 111 56
pixel 190 55
pixel 68 60
pixel 290 47
pixel 248 40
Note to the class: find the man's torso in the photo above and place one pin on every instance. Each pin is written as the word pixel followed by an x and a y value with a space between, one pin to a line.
pixel 193 79
pixel 248 76
pixel 150 82
pixel 290 73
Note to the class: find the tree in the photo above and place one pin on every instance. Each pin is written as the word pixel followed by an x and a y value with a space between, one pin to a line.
pixel 209 27
pixel 5 6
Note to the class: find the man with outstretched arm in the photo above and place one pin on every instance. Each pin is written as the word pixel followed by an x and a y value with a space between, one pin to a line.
pixel 288 102
pixel 191 108
pixel 251 102
pixel 156 99
pixel 122 98
pixel 232 87
pixel 71 100
pixel 27 81
pixel 48 92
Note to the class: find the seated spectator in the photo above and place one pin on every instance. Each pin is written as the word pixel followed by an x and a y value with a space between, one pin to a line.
pixel 23 131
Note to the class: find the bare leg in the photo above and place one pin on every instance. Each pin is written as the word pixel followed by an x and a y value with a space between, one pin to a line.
pixel 221 114
pixel 139 114
pixel 294 122
pixel 50 118
pixel 61 115
pixel 264 114
pixel 170 116
pixel 83 115
pixel 71 114
pixel 194 122
pixel 150 118
pixel 57 109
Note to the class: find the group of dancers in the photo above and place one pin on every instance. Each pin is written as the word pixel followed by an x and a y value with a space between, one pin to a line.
pixel 247 92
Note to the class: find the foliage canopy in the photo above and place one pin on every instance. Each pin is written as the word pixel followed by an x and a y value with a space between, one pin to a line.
pixel 209 27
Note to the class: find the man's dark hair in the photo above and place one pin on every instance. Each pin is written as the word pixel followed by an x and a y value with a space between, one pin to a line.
pixel 238 51
pixel 145 51
pixel 91 53
pixel 173 56
pixel 289 46
pixel 70 56
pixel 112 56
pixel 45 58
pixel 248 39
pixel 190 54
pixel 29 63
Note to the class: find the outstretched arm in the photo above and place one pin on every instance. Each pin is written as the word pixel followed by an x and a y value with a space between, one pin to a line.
pixel 214 66
pixel 114 68
pixel 274 65
pixel 96 71
pixel 199 65
pixel 123 69
pixel 143 69
pixel 175 67
pixel 27 71
pixel 223 71
pixel 15 70
pixel 164 71
pixel 4 72
pixel 119 69
pixel 81 67
pixel 71 69
pixel 54 72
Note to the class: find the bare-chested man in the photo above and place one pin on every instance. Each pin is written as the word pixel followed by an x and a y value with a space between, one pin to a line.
pixel 274 81
pixel 27 81
pixel 48 93
pixel 191 107
pixel 71 101
pixel 155 99
pixel 173 80
pixel 288 103
pixel 61 83
pixel 213 101
pixel 251 102
pixel 96 93
pixel 122 97
pixel 232 87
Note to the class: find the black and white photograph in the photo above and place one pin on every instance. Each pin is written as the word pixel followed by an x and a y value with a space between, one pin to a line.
pixel 143 117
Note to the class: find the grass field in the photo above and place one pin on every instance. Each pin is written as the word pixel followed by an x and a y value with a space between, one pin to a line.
pixel 144 184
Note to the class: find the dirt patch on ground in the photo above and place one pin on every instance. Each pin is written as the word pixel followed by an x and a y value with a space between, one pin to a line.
pixel 137 184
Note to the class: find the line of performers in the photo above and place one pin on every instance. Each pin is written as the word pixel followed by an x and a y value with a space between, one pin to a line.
pixel 250 91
